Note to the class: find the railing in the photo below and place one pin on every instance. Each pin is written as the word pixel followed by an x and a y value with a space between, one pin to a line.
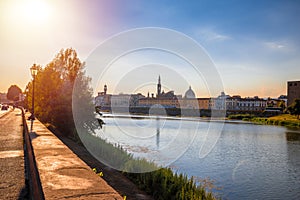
pixel 32 175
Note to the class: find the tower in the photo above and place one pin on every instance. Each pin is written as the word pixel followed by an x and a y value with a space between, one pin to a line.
pixel 293 91
pixel 105 89
pixel 158 87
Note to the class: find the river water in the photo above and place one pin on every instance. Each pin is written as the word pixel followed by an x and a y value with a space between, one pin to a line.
pixel 245 161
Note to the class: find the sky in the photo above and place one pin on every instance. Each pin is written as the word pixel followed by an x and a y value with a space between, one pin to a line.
pixel 254 45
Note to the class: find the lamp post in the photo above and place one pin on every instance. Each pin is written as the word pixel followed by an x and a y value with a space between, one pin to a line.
pixel 33 71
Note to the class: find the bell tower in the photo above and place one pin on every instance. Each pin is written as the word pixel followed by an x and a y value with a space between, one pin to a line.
pixel 105 89
pixel 158 87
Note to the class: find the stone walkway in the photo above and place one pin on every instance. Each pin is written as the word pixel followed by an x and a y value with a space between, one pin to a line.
pixel 12 180
pixel 63 174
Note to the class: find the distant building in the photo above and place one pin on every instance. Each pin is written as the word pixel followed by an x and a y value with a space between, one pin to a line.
pixel 165 99
pixel 165 102
pixel 293 91
pixel 103 99
pixel 134 99
pixel 189 100
pixel 125 100
pixel 203 103
pixel 190 94
pixel 120 100
pixel 233 103
pixel 218 103
pixel 251 104
pixel 107 101
pixel 237 103
pixel 158 94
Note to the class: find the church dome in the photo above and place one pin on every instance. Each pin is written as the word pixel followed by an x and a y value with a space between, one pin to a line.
pixel 190 94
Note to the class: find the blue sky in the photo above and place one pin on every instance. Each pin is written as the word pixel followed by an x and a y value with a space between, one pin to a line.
pixel 254 44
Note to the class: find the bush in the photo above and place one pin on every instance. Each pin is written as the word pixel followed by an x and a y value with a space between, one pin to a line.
pixel 283 120
pixel 164 184
pixel 241 116
pixel 161 183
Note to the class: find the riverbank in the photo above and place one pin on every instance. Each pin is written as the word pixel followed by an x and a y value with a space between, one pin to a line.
pixel 158 184
pixel 286 120
pixel 60 173
pixel 113 177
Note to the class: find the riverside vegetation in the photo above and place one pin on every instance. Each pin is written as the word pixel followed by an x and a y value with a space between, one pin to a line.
pixel 291 120
pixel 280 120
pixel 161 183
pixel 287 120
pixel 53 105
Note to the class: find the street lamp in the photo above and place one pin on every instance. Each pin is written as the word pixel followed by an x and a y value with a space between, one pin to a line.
pixel 33 71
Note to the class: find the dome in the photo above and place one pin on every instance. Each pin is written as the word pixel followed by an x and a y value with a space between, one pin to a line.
pixel 190 94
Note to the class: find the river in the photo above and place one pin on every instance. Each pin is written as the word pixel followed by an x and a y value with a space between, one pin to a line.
pixel 244 160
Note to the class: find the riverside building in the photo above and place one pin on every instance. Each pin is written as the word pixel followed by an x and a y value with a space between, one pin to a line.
pixel 293 91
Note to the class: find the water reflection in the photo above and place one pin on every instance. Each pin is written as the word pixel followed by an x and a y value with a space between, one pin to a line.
pixel 157 132
pixel 248 161
pixel 293 152
pixel 292 136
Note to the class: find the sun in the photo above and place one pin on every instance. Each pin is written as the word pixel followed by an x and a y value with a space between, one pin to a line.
pixel 31 12
pixel 36 11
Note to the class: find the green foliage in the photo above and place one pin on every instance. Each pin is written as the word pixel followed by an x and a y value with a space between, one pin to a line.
pixel 161 183
pixel 53 91
pixel 104 152
pixel 280 120
pixel 241 116
pixel 165 184
pixel 282 105
pixel 294 109
pixel 13 93
pixel 54 85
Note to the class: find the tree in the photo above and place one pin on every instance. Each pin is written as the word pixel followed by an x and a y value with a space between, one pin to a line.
pixel 13 93
pixel 53 91
pixel 294 109
pixel 282 105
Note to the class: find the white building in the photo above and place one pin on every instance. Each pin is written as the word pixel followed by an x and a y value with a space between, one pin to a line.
pixel 219 103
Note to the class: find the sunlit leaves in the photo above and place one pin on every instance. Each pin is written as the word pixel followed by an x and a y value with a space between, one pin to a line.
pixel 53 90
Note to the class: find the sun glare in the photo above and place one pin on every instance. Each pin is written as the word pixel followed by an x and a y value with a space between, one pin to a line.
pixel 32 11
pixel 36 10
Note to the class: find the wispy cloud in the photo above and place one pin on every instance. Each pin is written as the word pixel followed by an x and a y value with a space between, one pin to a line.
pixel 275 45
pixel 211 35
pixel 284 47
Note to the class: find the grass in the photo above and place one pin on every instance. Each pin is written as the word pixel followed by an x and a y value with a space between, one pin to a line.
pixel 241 116
pixel 161 183
pixel 280 120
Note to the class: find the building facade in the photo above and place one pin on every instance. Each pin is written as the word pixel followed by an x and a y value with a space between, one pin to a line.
pixel 293 91
pixel 251 104
pixel 230 104
pixel 165 102
pixel 237 103
pixel 218 103
pixel 107 101
pixel 103 99
pixel 203 103
pixel 164 99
